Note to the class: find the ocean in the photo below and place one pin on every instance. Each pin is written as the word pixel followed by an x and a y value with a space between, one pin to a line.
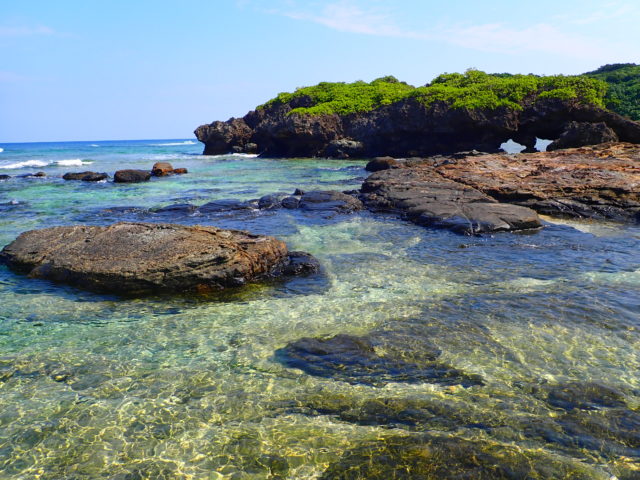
pixel 193 387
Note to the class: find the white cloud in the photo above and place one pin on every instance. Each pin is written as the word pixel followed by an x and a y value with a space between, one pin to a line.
pixel 351 17
pixel 544 38
pixel 345 16
pixel 25 31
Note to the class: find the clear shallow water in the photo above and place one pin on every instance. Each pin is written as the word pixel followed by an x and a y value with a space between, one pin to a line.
pixel 94 386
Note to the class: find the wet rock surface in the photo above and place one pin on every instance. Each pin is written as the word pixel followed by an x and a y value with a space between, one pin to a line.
pixel 427 198
pixel 134 258
pixel 355 360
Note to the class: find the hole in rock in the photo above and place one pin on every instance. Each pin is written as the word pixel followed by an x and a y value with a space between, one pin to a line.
pixel 512 147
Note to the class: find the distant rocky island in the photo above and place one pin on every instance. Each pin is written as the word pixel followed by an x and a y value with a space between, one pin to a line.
pixel 455 112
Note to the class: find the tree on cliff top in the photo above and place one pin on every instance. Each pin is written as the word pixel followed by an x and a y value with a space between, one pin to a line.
pixel 473 89
pixel 623 95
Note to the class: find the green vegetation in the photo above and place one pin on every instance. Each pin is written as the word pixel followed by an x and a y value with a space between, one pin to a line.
pixel 472 90
pixel 623 95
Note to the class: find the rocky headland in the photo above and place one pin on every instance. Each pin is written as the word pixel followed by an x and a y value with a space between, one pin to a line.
pixel 454 113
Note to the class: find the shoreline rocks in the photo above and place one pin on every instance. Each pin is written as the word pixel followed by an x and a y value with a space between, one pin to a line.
pixel 426 198
pixel 137 258
pixel 481 192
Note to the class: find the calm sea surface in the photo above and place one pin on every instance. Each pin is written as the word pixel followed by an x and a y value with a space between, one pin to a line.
pixel 187 387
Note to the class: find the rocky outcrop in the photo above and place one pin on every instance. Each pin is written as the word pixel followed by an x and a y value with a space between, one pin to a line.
pixel 408 128
pixel 5 177
pixel 85 176
pixel 427 198
pixel 461 192
pixel 131 176
pixel 580 134
pixel 601 182
pixel 134 258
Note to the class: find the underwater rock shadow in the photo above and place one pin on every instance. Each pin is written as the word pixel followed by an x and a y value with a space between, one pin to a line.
pixel 355 360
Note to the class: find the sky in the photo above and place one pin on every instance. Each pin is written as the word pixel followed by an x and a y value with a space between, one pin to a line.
pixel 106 70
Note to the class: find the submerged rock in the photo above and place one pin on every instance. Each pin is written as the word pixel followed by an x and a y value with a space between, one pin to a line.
pixel 133 258
pixel 354 360
pixel 585 396
pixel 329 201
pixel 429 457
pixel 5 177
pixel 131 176
pixel 85 176
pixel 226 205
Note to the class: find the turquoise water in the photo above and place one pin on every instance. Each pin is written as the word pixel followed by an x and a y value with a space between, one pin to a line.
pixel 189 387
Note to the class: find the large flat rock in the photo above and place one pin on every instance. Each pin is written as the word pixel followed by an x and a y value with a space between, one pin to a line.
pixel 601 181
pixel 132 258
pixel 427 198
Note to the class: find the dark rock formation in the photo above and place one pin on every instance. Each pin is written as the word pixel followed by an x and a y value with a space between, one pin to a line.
pixel 85 176
pixel 354 360
pixel 589 182
pixel 176 209
pixel 180 171
pixel 381 163
pixel 425 197
pixel 404 129
pixel 5 177
pixel 134 258
pixel 329 201
pixel 131 176
pixel 580 134
pixel 226 205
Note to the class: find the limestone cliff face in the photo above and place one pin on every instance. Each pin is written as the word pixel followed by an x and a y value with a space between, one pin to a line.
pixel 408 128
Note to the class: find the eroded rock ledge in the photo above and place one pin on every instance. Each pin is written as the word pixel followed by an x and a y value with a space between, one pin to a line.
pixel 135 258
pixel 478 193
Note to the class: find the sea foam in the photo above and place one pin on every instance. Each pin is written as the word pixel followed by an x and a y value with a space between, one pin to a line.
pixel 27 163
pixel 74 162
pixel 1 149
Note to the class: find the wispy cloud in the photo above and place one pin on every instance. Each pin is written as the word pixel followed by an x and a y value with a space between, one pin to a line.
pixel 25 31
pixel 348 17
pixel 351 17
pixel 608 11
pixel 543 38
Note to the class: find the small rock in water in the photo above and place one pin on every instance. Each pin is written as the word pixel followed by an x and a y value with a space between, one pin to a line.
pixel 5 177
pixel 85 176
pixel 131 176
pixel 161 169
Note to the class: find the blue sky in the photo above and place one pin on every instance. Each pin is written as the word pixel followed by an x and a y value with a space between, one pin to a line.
pixel 93 70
